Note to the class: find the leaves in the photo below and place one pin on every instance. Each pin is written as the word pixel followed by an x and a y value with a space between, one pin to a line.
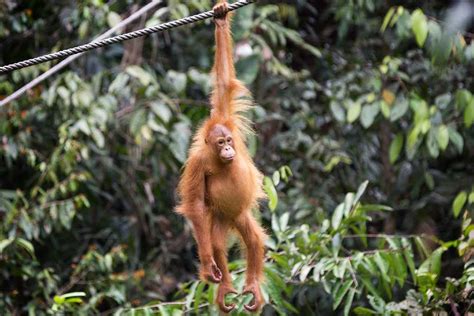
pixel 388 17
pixel 432 144
pixel 428 273
pixel 341 293
pixel 337 216
pixel 419 26
pixel 469 114
pixel 360 192
pixel 98 149
pixel 338 111
pixel 113 18
pixel 369 113
pixel 270 190
pixel 385 108
pixel 177 81
pixel 459 202
pixel 463 98
pixel 443 137
pixel 456 139
pixel 353 112
pixel 399 110
pixel 388 96
pixel 5 243
pixel 180 136
pixel 395 148
pixel 136 71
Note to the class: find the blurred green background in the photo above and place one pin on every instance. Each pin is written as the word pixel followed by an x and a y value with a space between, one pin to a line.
pixel 364 121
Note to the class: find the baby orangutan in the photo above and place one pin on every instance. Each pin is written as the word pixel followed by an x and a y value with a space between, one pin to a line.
pixel 221 185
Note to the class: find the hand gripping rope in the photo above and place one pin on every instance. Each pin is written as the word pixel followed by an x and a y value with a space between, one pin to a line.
pixel 118 38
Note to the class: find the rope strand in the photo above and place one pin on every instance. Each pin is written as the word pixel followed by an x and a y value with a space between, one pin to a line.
pixel 118 38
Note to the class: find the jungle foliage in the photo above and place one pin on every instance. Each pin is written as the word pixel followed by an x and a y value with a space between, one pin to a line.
pixel 364 120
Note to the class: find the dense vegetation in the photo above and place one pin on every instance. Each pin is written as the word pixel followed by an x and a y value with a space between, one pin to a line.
pixel 365 133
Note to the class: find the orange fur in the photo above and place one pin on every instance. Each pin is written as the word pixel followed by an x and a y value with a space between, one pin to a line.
pixel 218 197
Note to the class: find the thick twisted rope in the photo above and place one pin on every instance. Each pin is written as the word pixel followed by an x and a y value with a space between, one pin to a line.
pixel 118 38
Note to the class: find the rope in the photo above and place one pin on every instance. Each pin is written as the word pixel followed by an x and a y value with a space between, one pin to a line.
pixel 118 38
pixel 15 95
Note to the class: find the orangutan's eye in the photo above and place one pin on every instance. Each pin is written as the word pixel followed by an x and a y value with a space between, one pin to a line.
pixel 220 142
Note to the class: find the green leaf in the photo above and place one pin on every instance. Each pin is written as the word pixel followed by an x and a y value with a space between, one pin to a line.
pixel 74 294
pixel 353 112
pixel 177 80
pixel 338 111
pixel 395 148
pixel 180 136
pixel 366 280
pixel 360 191
pixel 5 243
pixel 271 193
pixel 155 125
pixel 276 178
pixel 113 18
pixel 137 121
pixel 385 108
pixel 359 310
pixel 470 199
pixel 337 216
pixel 463 98
pixel 382 264
pixel 190 296
pixel 273 287
pixel 98 137
pixel 342 291
pixel 429 180
pixel 399 266
pixel 419 26
pixel 387 19
pixel 442 49
pixel 458 203
pixel 400 108
pixel 348 203
pixel 163 310
pixel 284 221
pixel 198 296
pixel 83 97
pixel 119 83
pixel 422 248
pixel 369 113
pixel 408 255
pixel 349 300
pixel 443 101
pixel 59 299
pixel 275 224
pixel 443 137
pixel 469 114
pixel 75 300
pixel 161 110
pixel 305 270
pixel 456 139
pixel 25 244
pixel 432 144
pixel 138 72
pixel 83 29
pixel 420 108
pixel 286 173
pixel 433 263
pixel 374 208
